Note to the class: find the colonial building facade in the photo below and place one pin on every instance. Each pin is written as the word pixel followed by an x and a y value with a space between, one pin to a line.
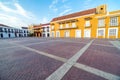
pixel 45 30
pixel 10 32
pixel 42 30
pixel 92 23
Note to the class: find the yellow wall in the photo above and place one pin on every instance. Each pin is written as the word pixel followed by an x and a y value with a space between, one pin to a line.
pixel 94 22
pixel 30 28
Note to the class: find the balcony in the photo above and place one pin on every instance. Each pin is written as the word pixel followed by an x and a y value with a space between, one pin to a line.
pixel 72 27
pixel 88 26
pixel 101 26
pixel 52 28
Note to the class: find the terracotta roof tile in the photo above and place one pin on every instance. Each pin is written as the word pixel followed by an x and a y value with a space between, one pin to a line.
pixel 36 26
pixel 45 24
pixel 81 13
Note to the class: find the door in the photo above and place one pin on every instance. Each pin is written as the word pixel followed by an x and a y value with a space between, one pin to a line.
pixel 1 35
pixel 57 34
pixel 101 33
pixel 66 33
pixel 78 34
pixel 9 35
pixel 87 33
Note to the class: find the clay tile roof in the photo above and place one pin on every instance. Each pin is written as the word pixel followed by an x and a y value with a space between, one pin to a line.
pixel 36 26
pixel 81 13
pixel 45 24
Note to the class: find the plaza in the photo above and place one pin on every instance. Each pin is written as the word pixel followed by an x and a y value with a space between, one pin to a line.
pixel 33 58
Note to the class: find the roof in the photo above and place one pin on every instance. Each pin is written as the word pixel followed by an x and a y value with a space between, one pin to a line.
pixel 4 25
pixel 24 27
pixel 81 13
pixel 36 26
pixel 45 24
pixel 40 25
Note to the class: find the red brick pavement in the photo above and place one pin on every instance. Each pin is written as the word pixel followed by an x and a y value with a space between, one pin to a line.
pixel 103 58
pixel 62 49
pixel 26 65
pixel 77 74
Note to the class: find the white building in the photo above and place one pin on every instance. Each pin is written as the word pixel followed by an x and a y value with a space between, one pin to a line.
pixel 45 30
pixel 25 31
pixel 10 32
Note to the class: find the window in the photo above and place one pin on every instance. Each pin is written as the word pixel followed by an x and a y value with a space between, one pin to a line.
pixel 67 25
pixel 47 29
pixel 12 30
pixel 52 27
pixel 101 8
pixel 87 23
pixel 44 29
pixel 114 21
pixel 1 30
pixel 101 22
pixel 8 30
pixel 100 32
pixel 73 25
pixel 61 26
pixel 5 30
pixel 112 32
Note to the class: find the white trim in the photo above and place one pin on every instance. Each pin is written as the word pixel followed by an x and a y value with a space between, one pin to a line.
pixel 116 32
pixel 76 34
pixel 111 15
pixel 101 29
pixel 58 32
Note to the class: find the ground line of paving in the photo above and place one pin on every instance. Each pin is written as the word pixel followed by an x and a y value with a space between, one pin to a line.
pixel 78 65
pixel 97 72
pixel 116 44
pixel 56 40
pixel 62 70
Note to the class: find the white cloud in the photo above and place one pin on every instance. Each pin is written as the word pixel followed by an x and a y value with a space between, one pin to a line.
pixel 64 12
pixel 53 6
pixel 87 4
pixel 16 17
pixel 44 20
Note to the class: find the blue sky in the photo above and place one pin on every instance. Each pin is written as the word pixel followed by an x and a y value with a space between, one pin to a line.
pixel 19 13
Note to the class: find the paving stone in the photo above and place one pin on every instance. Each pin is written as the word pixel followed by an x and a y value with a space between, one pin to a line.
pixel 103 58
pixel 26 65
pixel 77 74
pixel 62 49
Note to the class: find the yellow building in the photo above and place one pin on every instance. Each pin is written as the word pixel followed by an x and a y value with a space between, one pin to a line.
pixel 31 29
pixel 37 30
pixel 92 23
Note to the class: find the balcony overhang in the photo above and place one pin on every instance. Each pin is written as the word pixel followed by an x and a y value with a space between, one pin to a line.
pixel 68 28
pixel 68 21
